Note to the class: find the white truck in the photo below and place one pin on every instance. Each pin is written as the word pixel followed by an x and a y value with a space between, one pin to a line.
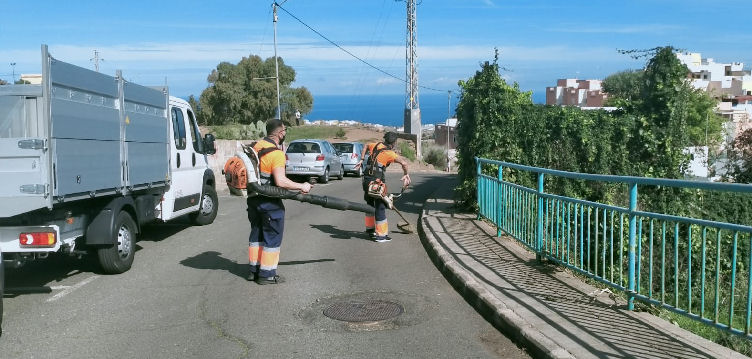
pixel 86 159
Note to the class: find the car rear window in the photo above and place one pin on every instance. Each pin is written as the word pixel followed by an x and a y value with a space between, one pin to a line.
pixel 343 147
pixel 304 147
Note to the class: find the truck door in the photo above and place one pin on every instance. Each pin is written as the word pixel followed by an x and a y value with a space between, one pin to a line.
pixel 187 175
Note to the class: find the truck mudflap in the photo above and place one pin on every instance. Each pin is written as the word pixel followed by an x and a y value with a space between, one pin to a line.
pixel 27 239
pixel 101 230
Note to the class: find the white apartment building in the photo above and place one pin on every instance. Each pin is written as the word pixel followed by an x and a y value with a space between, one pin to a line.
pixel 574 92
pixel 722 80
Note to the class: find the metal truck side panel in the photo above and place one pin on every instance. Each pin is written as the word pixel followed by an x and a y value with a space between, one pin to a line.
pixel 86 166
pixel 79 78
pixel 147 163
pixel 144 95
pixel 21 167
pixel 73 119
pixel 145 127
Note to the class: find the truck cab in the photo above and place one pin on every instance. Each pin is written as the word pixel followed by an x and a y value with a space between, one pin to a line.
pixel 192 188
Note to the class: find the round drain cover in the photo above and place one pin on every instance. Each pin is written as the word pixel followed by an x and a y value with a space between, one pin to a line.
pixel 364 310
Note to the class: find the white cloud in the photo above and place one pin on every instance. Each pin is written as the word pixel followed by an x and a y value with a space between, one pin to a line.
pixel 386 80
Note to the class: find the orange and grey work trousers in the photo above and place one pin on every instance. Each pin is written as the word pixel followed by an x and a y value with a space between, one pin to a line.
pixel 376 222
pixel 267 217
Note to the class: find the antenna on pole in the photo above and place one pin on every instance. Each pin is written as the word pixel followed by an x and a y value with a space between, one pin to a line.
pixel 96 60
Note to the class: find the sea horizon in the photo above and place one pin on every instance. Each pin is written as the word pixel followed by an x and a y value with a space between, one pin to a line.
pixel 387 110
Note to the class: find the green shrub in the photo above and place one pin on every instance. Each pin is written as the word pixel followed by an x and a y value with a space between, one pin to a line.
pixel 435 155
pixel 340 133
pixel 406 150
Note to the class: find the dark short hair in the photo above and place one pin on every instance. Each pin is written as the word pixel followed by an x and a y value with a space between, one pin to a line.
pixel 390 138
pixel 272 125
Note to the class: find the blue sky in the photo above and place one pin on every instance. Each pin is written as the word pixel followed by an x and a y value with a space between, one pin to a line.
pixel 540 41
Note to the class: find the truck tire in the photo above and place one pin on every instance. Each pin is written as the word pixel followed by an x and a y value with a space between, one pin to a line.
pixel 208 208
pixel 118 257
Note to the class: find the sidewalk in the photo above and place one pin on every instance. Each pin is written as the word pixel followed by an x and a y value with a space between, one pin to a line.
pixel 546 309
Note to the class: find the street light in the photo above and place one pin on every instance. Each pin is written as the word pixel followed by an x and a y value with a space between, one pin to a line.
pixel 276 63
pixel 449 114
pixel 13 65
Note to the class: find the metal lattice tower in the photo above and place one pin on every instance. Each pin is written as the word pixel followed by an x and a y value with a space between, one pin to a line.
pixel 412 106
pixel 411 58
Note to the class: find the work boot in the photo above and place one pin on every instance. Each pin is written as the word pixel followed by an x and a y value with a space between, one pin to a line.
pixel 251 276
pixel 270 280
pixel 371 233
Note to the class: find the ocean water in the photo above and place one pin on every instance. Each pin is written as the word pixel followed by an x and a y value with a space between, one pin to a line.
pixel 387 110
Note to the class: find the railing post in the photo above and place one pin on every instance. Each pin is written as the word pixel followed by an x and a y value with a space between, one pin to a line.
pixel 632 244
pixel 477 186
pixel 539 230
pixel 500 207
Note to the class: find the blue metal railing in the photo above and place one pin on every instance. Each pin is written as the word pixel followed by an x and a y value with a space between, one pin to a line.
pixel 652 257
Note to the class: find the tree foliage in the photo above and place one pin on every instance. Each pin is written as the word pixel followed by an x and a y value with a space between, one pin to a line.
pixel 660 115
pixel 246 92
pixel 739 164
pixel 3 82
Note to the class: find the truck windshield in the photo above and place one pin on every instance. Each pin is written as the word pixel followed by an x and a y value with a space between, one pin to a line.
pixel 12 117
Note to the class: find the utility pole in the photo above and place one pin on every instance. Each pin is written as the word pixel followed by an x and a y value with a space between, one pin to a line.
pixel 13 79
pixel 449 115
pixel 276 63
pixel 412 107
pixel 96 60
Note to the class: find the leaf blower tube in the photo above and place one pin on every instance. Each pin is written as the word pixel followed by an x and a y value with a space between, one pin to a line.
pixel 323 201
pixel 242 176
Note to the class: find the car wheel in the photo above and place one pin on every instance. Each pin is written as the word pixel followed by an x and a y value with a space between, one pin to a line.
pixel 341 173
pixel 325 177
pixel 118 257
pixel 208 209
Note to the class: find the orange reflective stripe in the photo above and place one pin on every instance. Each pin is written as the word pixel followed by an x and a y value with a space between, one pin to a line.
pixel 370 222
pixel 382 228
pixel 254 253
pixel 269 260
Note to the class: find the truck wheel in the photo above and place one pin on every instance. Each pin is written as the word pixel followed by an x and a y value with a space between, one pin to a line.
pixel 118 258
pixel 208 209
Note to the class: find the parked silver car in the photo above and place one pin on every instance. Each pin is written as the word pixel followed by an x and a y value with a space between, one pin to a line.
pixel 313 158
pixel 350 155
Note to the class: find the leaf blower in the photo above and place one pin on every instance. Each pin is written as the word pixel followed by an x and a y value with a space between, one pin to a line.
pixel 243 179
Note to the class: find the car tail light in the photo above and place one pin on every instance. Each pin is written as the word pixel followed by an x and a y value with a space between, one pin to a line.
pixel 37 239
pixel 354 155
pixel 320 157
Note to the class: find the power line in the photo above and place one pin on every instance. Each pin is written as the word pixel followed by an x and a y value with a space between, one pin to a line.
pixel 351 54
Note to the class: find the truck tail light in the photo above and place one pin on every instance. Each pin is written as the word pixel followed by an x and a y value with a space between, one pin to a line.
pixel 37 239
pixel 320 157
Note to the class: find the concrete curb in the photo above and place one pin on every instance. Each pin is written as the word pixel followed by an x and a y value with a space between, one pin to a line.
pixel 495 311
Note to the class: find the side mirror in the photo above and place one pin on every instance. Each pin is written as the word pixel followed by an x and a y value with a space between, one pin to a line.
pixel 209 147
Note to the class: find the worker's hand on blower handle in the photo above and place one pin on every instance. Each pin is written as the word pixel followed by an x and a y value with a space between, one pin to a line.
pixel 306 187
pixel 405 181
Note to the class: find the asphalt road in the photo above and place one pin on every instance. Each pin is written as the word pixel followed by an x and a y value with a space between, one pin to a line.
pixel 186 295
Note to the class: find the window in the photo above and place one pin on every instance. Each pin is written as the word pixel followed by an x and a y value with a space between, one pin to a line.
pixel 178 128
pixel 343 147
pixel 198 146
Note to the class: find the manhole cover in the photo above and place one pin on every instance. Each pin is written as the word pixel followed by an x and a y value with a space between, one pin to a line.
pixel 364 310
